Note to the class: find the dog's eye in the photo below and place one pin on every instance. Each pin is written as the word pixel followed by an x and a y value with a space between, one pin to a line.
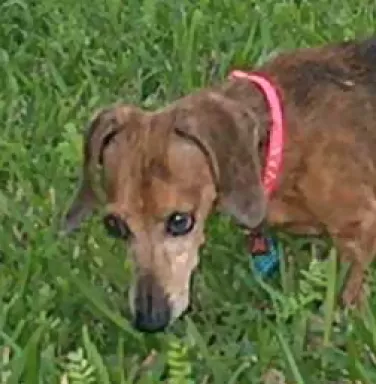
pixel 116 227
pixel 179 223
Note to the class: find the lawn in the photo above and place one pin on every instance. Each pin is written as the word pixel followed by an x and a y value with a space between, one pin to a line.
pixel 64 311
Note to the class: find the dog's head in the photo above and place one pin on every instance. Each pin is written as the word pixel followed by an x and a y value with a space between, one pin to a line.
pixel 158 176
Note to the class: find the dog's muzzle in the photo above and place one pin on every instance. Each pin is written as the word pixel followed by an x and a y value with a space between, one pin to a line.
pixel 152 312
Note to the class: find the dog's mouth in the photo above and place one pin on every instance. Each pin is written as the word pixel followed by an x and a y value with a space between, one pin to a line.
pixel 152 311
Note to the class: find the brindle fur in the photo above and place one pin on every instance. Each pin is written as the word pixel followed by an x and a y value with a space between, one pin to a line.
pixel 205 151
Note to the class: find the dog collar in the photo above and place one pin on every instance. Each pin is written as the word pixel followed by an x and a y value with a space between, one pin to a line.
pixel 273 161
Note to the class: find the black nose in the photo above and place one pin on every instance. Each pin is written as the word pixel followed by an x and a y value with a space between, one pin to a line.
pixel 151 322
pixel 152 310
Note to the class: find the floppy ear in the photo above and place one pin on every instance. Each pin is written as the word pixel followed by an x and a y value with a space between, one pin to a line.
pixel 102 128
pixel 228 136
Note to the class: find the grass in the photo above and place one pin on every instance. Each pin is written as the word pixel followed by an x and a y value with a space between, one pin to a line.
pixel 63 317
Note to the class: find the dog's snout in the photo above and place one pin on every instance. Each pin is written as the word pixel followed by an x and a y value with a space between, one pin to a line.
pixel 152 310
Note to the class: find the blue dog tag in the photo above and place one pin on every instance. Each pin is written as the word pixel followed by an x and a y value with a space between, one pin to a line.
pixel 264 255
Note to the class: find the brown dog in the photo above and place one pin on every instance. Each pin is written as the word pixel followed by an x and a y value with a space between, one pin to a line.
pixel 161 173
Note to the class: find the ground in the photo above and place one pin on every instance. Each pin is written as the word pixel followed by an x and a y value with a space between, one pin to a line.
pixel 63 317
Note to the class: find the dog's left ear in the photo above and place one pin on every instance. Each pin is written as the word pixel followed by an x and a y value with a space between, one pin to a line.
pixel 228 135
pixel 85 199
pixel 103 128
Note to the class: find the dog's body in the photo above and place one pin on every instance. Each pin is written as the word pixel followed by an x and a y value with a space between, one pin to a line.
pixel 206 151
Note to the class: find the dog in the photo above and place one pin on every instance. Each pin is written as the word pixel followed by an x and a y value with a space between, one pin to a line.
pixel 160 174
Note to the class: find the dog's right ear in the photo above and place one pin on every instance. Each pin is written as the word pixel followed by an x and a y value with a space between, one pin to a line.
pixel 228 136
pixel 101 130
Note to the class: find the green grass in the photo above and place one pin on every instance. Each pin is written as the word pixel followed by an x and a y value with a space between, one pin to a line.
pixel 63 317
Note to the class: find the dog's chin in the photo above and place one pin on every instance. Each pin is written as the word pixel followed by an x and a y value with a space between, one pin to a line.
pixel 182 305
pixel 179 306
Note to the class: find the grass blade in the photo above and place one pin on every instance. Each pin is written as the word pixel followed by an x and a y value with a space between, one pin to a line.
pixel 118 320
pixel 290 359
pixel 95 358
pixel 330 300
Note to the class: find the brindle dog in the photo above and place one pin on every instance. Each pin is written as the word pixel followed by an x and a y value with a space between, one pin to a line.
pixel 160 174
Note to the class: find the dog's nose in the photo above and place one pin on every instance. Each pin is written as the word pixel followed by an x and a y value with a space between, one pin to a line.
pixel 152 309
pixel 152 322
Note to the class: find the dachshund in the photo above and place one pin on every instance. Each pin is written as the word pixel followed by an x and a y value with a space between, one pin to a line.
pixel 159 174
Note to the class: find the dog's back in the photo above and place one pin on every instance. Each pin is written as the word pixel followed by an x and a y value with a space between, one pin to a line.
pixel 329 96
pixel 307 72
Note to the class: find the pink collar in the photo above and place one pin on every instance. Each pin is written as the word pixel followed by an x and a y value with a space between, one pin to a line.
pixel 275 148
